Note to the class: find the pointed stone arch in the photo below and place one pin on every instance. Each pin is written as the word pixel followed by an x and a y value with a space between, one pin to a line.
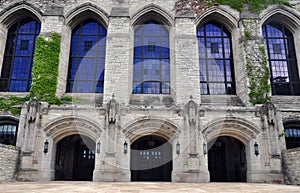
pixel 9 117
pixel 150 10
pixel 17 11
pixel 151 126
pixel 219 14
pixel 86 11
pixel 238 128
pixel 67 126
pixel 285 16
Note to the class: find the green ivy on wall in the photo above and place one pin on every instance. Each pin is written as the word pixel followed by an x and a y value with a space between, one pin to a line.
pixel 254 5
pixel 259 85
pixel 44 76
pixel 45 69
pixel 12 103
pixel 197 6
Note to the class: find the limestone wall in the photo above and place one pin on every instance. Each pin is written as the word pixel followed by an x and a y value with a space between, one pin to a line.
pixel 8 163
pixel 291 166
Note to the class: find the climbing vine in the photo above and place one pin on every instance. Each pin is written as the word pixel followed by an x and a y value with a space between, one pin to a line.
pixel 259 75
pixel 12 103
pixel 45 69
pixel 198 6
pixel 44 76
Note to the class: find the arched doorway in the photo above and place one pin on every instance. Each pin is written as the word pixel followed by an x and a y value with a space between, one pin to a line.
pixel 151 159
pixel 75 158
pixel 227 160
pixel 292 134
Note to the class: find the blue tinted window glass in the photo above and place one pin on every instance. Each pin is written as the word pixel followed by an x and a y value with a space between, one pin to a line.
pixel 87 58
pixel 137 87
pixel 100 86
pixel 18 85
pixel 90 28
pixel 215 59
pixel 282 59
pixel 151 73
pixel 19 53
pixel 200 31
pixel 213 29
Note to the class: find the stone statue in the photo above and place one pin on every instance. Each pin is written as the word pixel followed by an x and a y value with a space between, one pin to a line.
pixel 112 110
pixel 33 109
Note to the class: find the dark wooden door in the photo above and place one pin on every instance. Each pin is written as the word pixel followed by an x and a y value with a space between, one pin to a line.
pixel 84 162
pixel 217 164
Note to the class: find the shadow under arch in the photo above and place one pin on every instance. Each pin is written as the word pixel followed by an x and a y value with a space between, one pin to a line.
pixel 151 159
pixel 292 131
pixel 241 133
pixel 221 15
pixel 75 158
pixel 67 126
pixel 227 160
pixel 17 11
pixel 86 11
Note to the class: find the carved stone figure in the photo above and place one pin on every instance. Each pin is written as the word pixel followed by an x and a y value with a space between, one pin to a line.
pixel 191 111
pixel 112 110
pixel 33 109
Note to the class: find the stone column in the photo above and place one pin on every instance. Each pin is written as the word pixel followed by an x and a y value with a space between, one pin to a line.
pixel 191 162
pixel 110 162
pixel 118 79
pixel 31 140
pixel 185 54
pixel 3 36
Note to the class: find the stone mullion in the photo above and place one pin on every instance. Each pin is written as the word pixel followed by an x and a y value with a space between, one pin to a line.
pixel 117 61
pixel 187 78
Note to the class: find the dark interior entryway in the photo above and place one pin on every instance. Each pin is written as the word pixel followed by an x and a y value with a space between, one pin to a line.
pixel 151 159
pixel 227 160
pixel 75 158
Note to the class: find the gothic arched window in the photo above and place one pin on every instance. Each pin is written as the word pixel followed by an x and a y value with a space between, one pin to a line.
pixel 87 58
pixel 8 132
pixel 215 59
pixel 293 137
pixel 151 74
pixel 18 57
pixel 282 59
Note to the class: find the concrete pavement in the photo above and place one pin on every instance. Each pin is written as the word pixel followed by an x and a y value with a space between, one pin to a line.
pixel 143 187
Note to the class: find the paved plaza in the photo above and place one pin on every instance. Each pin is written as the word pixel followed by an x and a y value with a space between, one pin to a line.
pixel 143 187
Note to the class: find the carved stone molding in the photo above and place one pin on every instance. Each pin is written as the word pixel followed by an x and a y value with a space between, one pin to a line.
pixel 145 127
pixel 71 125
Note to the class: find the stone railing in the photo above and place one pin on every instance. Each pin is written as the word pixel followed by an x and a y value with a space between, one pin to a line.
pixel 291 166
pixel 9 157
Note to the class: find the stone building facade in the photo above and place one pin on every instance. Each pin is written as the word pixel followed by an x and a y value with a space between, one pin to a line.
pixel 188 119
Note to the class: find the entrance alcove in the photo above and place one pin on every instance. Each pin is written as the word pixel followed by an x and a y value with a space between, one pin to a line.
pixel 227 160
pixel 75 158
pixel 151 159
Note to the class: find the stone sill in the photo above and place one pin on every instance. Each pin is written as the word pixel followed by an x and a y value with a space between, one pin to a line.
pixel 87 98
pixel 228 100
pixel 17 94
pixel 152 100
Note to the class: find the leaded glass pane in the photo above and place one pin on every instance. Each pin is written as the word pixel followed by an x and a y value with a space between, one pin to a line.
pixel 282 60
pixel 8 134
pixel 151 73
pixel 293 137
pixel 215 59
pixel 18 59
pixel 87 58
